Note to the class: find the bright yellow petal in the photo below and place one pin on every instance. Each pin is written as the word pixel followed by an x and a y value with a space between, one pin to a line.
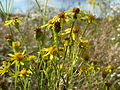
pixel 13 62
pixel 21 63
pixel 29 72
pixel 67 31
pixel 4 63
pixel 45 49
pixel 11 55
pixel 8 22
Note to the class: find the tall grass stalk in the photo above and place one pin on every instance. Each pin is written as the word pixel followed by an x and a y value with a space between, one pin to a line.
pixel 5 10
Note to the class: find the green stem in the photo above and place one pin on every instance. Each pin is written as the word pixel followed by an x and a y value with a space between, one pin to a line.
pixel 22 39
pixel 56 39
pixel 25 83
pixel 15 76
pixel 2 8
pixel 71 30
pixel 70 37
pixel 16 73
pixel 39 7
pixel 11 32
pixel 44 13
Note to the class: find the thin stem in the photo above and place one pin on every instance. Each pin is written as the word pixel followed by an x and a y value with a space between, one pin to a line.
pixel 39 7
pixel 25 83
pixel 70 37
pixel 22 38
pixel 11 32
pixel 44 13
pixel 71 30
pixel 56 39
pixel 2 8
pixel 16 73
pixel 15 76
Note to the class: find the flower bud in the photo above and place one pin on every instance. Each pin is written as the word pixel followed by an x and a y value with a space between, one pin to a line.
pixel 38 33
pixel 16 44
pixel 86 56
pixel 57 27
pixel 75 30
pixel 61 15
pixel 50 22
pixel 83 43
pixel 76 10
pixel 37 29
pixel 95 62
pixel 15 18
pixel 108 84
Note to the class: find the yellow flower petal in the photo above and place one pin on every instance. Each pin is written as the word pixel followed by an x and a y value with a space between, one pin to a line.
pixel 8 22
pixel 11 55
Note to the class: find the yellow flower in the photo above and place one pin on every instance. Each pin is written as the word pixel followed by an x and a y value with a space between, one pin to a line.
pixel 49 53
pixel 67 31
pixel 111 67
pixel 13 21
pixel 16 44
pixel 4 68
pixel 61 49
pixel 56 20
pixel 92 2
pixel 50 22
pixel 19 57
pixel 91 18
pixel 50 50
pixel 32 57
pixel 86 56
pixel 24 72
pixel 75 32
pixel 83 69
pixel 65 41
pixel 76 10
pixel 75 29
pixel 61 15
pixel 83 43
pixel 94 62
pixel 45 58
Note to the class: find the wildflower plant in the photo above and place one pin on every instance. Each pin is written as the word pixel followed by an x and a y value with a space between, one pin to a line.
pixel 55 66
